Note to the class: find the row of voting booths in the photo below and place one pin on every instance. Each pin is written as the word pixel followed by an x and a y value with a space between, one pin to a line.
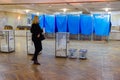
pixel 64 25
pixel 83 25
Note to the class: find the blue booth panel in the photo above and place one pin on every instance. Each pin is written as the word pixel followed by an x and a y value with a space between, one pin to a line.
pixel 86 24
pixel 41 20
pixel 101 24
pixel 73 24
pixel 61 23
pixel 49 23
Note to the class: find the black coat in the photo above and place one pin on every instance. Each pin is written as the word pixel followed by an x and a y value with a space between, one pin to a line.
pixel 35 30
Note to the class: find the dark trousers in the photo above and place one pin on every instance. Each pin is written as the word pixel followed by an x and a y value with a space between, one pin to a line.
pixel 38 48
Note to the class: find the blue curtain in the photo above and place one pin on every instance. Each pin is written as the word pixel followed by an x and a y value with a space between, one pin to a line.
pixel 101 24
pixel 61 23
pixel 86 24
pixel 41 20
pixel 73 24
pixel 49 23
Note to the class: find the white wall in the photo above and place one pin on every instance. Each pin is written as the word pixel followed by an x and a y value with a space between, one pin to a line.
pixel 115 19
pixel 9 18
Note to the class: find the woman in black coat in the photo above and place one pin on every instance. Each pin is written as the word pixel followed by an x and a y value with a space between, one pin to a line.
pixel 36 38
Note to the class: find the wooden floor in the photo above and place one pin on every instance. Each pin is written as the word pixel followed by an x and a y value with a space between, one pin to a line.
pixel 103 62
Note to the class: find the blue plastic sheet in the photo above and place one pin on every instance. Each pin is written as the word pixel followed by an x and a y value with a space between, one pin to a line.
pixel 102 24
pixel 86 24
pixel 73 24
pixel 49 23
pixel 61 23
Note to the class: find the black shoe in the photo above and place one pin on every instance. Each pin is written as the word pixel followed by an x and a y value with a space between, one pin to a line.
pixel 32 59
pixel 36 63
pixel 40 53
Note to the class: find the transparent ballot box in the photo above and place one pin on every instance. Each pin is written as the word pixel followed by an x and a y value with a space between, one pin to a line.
pixel 30 44
pixel 7 41
pixel 72 53
pixel 61 44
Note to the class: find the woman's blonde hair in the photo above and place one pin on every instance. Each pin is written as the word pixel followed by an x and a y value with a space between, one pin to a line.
pixel 35 20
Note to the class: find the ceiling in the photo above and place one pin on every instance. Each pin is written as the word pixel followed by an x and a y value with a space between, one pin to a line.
pixel 55 6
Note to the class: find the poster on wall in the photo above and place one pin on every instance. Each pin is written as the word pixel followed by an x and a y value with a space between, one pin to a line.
pixel 61 44
pixel 29 19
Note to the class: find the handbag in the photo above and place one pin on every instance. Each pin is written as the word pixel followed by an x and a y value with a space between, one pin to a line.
pixel 42 37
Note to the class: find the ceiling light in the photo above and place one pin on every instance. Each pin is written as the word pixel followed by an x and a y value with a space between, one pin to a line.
pixel 38 13
pixel 64 9
pixel 27 11
pixel 18 17
pixel 106 9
